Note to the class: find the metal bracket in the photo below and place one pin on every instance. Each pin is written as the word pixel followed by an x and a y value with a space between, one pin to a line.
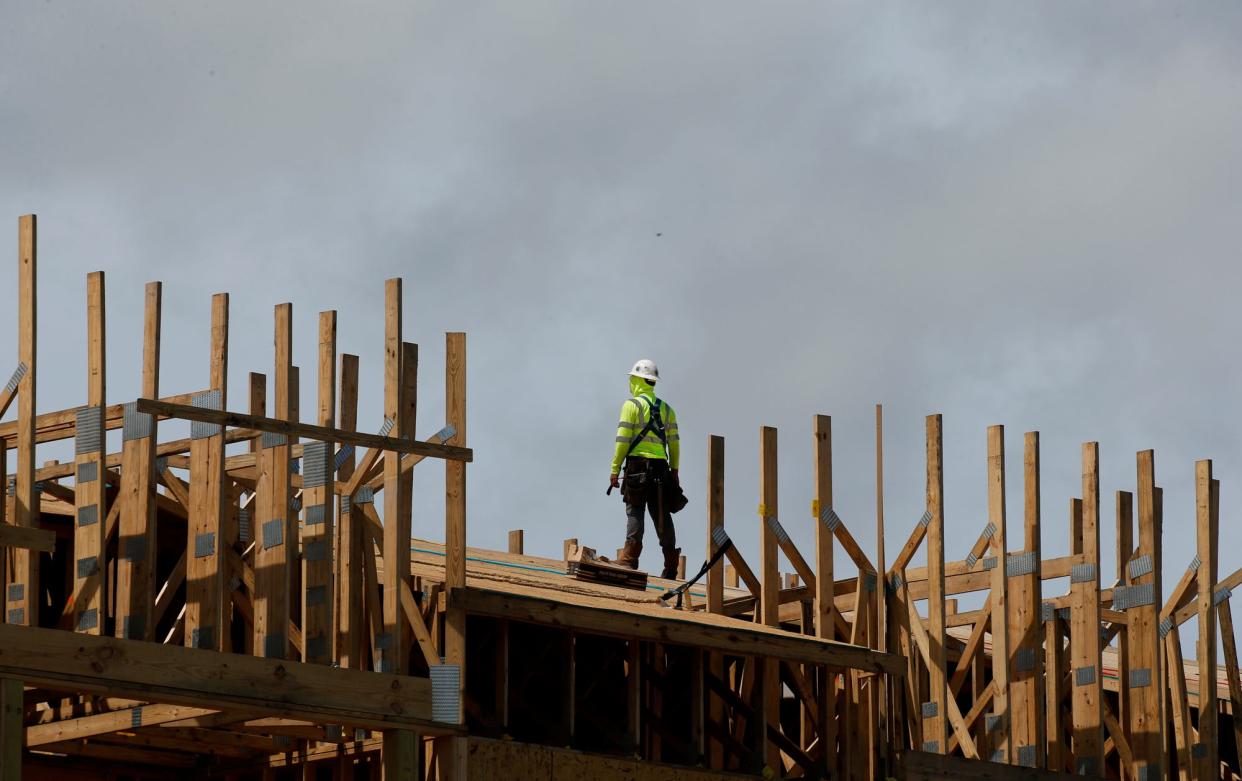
pixel 1140 566
pixel 17 592
pixel 1084 676
pixel 316 514
pixel 134 424
pixel 931 746
pixel 88 435
pixel 1082 573
pixel 1027 756
pixel 1195 563
pixel 204 545
pixel 1047 611
pixel 18 373
pixel 989 562
pixel 88 567
pixel 364 495
pixel 1021 563
pixel 1221 594
pixel 971 560
pixel 88 471
pixel 1165 626
pixel 315 550
pixel 1127 597
pixel 212 400
pixel 720 537
pixel 202 637
pixel 135 717
pixel 930 710
pixel 775 526
pixel 344 454
pixel 446 693
pixel 315 470
pixel 88 515
pixel 273 533
pixel 1025 659
pixel 387 427
pixel 269 439
pixel 88 619
pixel 829 518
pixel 926 519
pixel 446 433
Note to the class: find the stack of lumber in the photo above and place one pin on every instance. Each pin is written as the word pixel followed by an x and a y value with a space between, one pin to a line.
pixel 583 564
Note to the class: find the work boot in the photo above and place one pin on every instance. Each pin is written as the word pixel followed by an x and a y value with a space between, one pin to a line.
pixel 629 554
pixel 672 557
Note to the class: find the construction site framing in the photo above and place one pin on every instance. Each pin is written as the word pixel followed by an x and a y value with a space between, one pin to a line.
pixel 239 605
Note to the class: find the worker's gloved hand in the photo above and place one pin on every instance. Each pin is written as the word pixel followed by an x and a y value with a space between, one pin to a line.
pixel 614 481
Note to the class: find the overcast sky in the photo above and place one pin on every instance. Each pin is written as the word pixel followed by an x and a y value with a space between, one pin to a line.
pixel 1009 213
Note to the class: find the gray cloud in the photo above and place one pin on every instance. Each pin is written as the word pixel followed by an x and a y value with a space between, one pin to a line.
pixel 1003 212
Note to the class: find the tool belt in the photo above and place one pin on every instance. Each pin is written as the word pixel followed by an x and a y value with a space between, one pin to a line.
pixel 651 479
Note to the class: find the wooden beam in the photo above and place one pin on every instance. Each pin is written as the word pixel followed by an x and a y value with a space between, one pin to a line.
pixel 319 507
pixel 394 646
pixel 274 529
pixel 517 541
pixel 999 598
pixel 825 598
pixel 935 726
pixel 11 728
pixel 1146 711
pixel 350 558
pixel 1230 650
pixel 308 430
pixel 680 627
pixel 1207 490
pixel 1124 507
pixel 112 721
pixel 28 538
pixel 205 601
pixel 208 679
pixel 715 588
pixel 137 523
pixel 89 563
pixel 22 594
pixel 771 586
pixel 1085 624
pixel 1026 690
pixel 452 752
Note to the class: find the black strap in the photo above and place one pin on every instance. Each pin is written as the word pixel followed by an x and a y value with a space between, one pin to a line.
pixel 653 422
pixel 677 592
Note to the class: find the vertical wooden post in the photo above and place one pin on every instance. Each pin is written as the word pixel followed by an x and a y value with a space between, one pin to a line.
pixel 825 606
pixel 400 755
pixel 997 517
pixel 1085 625
pixel 1026 691
pixel 455 538
pixel 137 540
pixel 12 730
pixel 22 594
pixel 1054 658
pixel 881 600
pixel 1146 682
pixel 319 506
pixel 1207 752
pixel 771 588
pixel 274 530
pixel 1124 501
pixel 935 732
pixel 91 498
pixel 350 556
pixel 394 644
pixel 205 593
pixel 517 543
pixel 715 587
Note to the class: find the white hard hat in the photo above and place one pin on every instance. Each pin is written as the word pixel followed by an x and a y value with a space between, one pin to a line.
pixel 646 369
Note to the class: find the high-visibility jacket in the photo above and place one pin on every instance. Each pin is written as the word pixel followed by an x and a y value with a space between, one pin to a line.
pixel 635 413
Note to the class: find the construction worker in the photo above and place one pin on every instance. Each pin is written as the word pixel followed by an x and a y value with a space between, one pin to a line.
pixel 650 449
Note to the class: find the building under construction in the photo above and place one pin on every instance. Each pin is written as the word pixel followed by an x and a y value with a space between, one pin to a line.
pixel 256 602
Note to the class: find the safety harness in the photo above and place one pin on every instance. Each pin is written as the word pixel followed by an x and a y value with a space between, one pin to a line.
pixel 654 423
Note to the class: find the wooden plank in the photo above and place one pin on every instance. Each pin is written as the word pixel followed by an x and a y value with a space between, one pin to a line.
pixel 1207 752
pixel 453 763
pixel 1179 704
pixel 883 692
pixel 137 527
pixel 1054 689
pixel 201 678
pixel 90 564
pixel 31 539
pixel 1230 650
pixel 400 755
pixel 825 598
pixel 771 585
pixel 394 645
pixel 611 618
pixel 715 588
pixel 295 429
pixel 935 729
pixel 951 713
pixel 1085 657
pixel 998 598
pixel 112 721
pixel 1124 504
pixel 11 701
pixel 350 558
pixel 319 507
pixel 1026 690
pixel 517 542
pixel 21 598
pixel 206 598
pixel 1146 719
pixel 273 528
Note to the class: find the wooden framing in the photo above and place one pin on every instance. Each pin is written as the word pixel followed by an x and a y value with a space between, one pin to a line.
pixel 789 675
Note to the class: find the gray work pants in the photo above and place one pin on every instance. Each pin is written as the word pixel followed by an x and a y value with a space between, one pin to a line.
pixel 642 495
